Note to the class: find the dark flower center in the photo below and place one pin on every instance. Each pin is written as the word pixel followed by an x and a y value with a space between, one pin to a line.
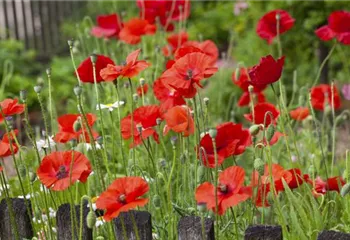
pixel 62 172
pixel 124 63
pixel 122 199
pixel 189 74
pixel 223 188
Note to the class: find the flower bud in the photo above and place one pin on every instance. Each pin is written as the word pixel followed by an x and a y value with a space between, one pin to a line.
pixel 237 73
pixel 37 88
pixel 70 43
pixel 278 16
pixel 270 132
pixel 23 95
pixel 77 90
pixel 93 58
pixel 91 219
pixel 48 71
pixel 327 110
pixel 142 81
pixel 259 166
pixel 200 174
pixel 157 202
pixel 254 130
pixel 213 132
pixel 73 142
pixel 345 189
pixel 77 125
pixel 206 101
pixel 250 88
pixel 135 97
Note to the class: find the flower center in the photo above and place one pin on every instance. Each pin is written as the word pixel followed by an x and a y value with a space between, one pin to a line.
pixel 122 198
pixel 189 74
pixel 62 172
pixel 222 188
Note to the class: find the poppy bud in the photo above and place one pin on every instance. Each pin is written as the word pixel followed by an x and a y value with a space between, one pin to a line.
pixel 32 177
pixel 202 207
pixel 77 126
pixel 307 122
pixel 142 81
pixel 135 97
pixel 345 189
pixel 206 101
pixel 237 73
pixel 270 132
pixel 213 132
pixel 327 110
pixel 93 58
pixel 200 174
pixel 278 16
pixel 70 43
pixel 250 88
pixel 23 95
pixel 139 128
pixel 158 121
pixel 73 143
pixel 157 202
pixel 37 88
pixel 254 130
pixel 91 219
pixel 259 166
pixel 77 90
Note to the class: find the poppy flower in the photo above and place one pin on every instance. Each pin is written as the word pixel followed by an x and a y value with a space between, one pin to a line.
pixel 338 27
pixel 231 139
pixel 299 113
pixel 187 72
pixel 6 143
pixel 260 111
pixel 208 47
pixel 331 184
pixel 108 26
pixel 130 69
pixel 168 97
pixel 321 96
pixel 10 107
pixel 297 178
pixel 134 29
pixel 85 69
pixel 122 195
pixel 166 11
pixel 243 81
pixel 58 172
pixel 142 90
pixel 278 174
pixel 230 191
pixel 179 120
pixel 267 25
pixel 244 100
pixel 266 72
pixel 72 126
pixel 174 42
pixel 144 117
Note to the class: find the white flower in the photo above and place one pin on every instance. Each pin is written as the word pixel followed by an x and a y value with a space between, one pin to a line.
pixel 88 146
pixel 110 106
pixel 44 144
pixel 29 195
pixel 52 213
pixel 99 222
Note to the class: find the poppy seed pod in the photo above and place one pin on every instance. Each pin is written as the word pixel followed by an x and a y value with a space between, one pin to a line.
pixel 157 202
pixel 206 101
pixel 345 189
pixel 278 16
pixel 250 88
pixel 37 88
pixel 254 130
pixel 135 97
pixel 213 132
pixel 77 125
pixel 259 166
pixel 48 72
pixel 91 219
pixel 270 132
pixel 70 43
pixel 142 81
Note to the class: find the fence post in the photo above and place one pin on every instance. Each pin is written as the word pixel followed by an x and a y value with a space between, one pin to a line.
pixel 24 227
pixel 125 225
pixel 64 225
pixel 192 227
pixel 327 235
pixel 263 232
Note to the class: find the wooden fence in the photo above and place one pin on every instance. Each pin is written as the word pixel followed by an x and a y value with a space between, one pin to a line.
pixel 37 23
pixel 126 225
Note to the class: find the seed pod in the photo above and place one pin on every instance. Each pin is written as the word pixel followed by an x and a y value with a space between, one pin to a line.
pixel 254 130
pixel 270 132
pixel 213 132
pixel 142 81
pixel 23 95
pixel 93 58
pixel 259 166
pixel 37 88
pixel 206 101
pixel 91 219
pixel 77 126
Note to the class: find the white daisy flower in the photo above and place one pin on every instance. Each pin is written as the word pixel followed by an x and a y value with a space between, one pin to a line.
pixel 110 106
pixel 44 144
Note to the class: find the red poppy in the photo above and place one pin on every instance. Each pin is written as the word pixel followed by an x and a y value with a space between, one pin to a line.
pixel 142 90
pixel 231 139
pixel 208 47
pixel 58 172
pixel 108 26
pixel 338 27
pixel 134 29
pixel 321 96
pixel 266 72
pixel 187 72
pixel 299 113
pixel 331 184
pixel 122 195
pixel 174 42
pixel 85 69
pixel 179 120
pixel 6 143
pixel 267 25
pixel 243 81
pixel 166 11
pixel 131 68
pixel 297 178
pixel 144 117
pixel 244 100
pixel 68 129
pixel 168 97
pixel 230 191
pixel 260 111
pixel 278 173
pixel 10 107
